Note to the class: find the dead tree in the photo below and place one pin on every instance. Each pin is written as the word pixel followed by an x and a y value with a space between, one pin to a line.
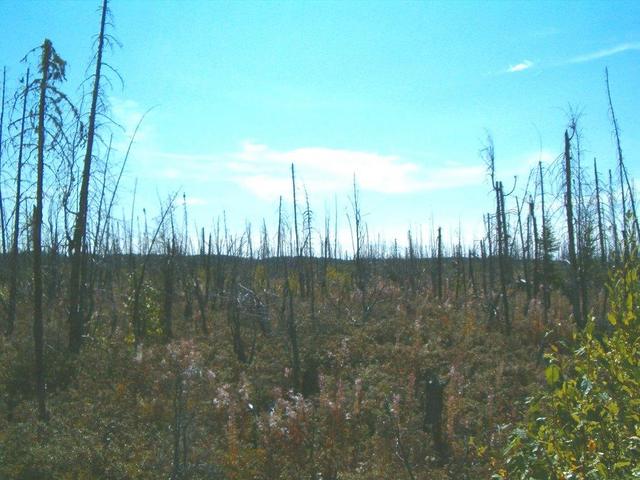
pixel 203 291
pixel 547 246
pixel 52 68
pixel 472 275
pixel 601 235
pixel 624 179
pixel 169 276
pixel 503 254
pixel 77 278
pixel 524 246
pixel 139 321
pixel 439 265
pixel 614 224
pixel 13 263
pixel 571 239
pixel 532 237
pixel 358 244
pixel 292 332
pixel 3 225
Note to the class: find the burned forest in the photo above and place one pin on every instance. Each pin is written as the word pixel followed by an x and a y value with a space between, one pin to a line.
pixel 137 344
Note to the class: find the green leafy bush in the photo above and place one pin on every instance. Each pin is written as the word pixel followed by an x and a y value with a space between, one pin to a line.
pixel 587 426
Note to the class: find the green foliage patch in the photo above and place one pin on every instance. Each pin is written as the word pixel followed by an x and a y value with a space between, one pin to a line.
pixel 587 425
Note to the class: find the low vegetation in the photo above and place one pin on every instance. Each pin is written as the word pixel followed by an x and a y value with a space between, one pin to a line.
pixel 136 347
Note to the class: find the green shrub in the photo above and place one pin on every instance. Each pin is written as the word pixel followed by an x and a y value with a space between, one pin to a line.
pixel 587 426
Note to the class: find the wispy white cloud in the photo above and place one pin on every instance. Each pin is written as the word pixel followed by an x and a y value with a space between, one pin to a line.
pixel 587 57
pixel 522 165
pixel 127 114
pixel 195 201
pixel 265 171
pixel 147 155
pixel 607 52
pixel 524 65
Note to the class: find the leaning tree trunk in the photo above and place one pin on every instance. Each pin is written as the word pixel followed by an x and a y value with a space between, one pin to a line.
pixel 77 288
pixel 614 121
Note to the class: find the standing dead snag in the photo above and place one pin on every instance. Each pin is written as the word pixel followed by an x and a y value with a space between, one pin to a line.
pixel 472 275
pixel 573 262
pixel 601 234
pixel 502 236
pixel 52 68
pixel 292 332
pixel 308 266
pixel 358 245
pixel 439 267
pixel 77 287
pixel 546 247
pixel 295 210
pixel 13 278
pixel 526 257
pixel 298 254
pixel 623 196
pixel 168 272
pixel 614 224
pixel 624 178
pixel 202 292
pixel 503 254
pixel 532 237
pixel 139 321
pixel 38 328
pixel 3 225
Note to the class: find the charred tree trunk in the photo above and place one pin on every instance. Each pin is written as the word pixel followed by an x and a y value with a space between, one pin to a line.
pixel 439 266
pixel 524 246
pixel 614 223
pixel 601 236
pixel 490 253
pixel 483 256
pixel 203 293
pixel 3 225
pixel 169 291
pixel 38 327
pixel 503 253
pixel 292 331
pixel 77 280
pixel 532 233
pixel 546 252
pixel 13 264
pixel 621 170
pixel 573 262
pixel 472 275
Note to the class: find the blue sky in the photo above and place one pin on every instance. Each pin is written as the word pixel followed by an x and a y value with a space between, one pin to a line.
pixel 401 94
